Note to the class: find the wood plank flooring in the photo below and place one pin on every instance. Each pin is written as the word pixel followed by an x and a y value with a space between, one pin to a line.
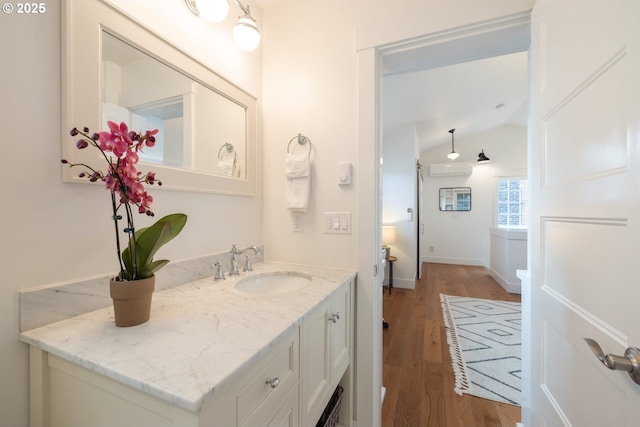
pixel 417 370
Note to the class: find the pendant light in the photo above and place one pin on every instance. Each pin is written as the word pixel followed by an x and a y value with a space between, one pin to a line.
pixel 452 155
pixel 482 158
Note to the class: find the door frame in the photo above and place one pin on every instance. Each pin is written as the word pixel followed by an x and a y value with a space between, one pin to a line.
pixel 485 39
pixel 419 229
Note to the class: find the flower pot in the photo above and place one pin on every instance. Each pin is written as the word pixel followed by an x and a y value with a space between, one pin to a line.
pixel 132 300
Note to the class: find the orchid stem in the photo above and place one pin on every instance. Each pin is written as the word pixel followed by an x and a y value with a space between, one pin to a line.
pixel 115 221
pixel 133 248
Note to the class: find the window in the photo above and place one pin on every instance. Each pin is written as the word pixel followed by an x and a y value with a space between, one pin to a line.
pixel 463 201
pixel 513 196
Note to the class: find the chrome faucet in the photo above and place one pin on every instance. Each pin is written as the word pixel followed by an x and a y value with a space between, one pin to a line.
pixel 247 261
pixel 234 259
pixel 219 273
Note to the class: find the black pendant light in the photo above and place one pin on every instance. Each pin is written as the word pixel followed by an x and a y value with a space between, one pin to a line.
pixel 482 158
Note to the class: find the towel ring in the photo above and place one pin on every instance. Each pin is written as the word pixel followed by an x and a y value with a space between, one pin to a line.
pixel 229 148
pixel 301 140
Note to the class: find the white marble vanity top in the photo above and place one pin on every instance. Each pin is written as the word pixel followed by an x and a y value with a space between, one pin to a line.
pixel 199 338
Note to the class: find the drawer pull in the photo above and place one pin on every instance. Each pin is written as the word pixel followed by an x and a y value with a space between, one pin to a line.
pixel 334 317
pixel 273 383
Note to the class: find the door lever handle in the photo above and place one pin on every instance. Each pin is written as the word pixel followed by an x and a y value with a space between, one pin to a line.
pixel 630 362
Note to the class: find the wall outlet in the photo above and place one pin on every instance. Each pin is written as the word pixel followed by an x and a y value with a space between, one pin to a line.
pixel 431 248
pixel 298 223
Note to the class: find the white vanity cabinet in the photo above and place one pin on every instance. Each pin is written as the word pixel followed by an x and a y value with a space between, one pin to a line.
pixel 65 394
pixel 325 349
pixel 288 382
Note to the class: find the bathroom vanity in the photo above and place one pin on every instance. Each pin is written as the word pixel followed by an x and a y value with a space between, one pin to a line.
pixel 211 355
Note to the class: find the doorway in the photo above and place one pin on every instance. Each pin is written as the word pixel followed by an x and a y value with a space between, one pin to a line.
pixel 497 37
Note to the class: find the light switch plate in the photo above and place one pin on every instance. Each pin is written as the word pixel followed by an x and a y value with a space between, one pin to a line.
pixel 337 222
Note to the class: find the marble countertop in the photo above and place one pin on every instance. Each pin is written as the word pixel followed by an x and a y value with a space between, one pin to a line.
pixel 199 338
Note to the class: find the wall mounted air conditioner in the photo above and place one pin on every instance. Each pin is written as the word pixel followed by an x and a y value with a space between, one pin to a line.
pixel 450 169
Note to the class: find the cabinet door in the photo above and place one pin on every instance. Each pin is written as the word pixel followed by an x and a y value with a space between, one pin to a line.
pixel 315 363
pixel 340 331
pixel 287 415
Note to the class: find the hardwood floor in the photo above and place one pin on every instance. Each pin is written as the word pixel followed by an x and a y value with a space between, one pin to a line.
pixel 417 370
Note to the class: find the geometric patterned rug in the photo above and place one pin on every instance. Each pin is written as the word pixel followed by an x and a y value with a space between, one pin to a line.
pixel 485 345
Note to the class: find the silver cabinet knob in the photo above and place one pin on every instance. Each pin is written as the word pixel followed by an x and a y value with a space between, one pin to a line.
pixel 630 362
pixel 273 383
pixel 335 317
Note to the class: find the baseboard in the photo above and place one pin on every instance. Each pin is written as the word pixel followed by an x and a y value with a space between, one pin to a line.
pixel 512 288
pixel 404 283
pixel 452 260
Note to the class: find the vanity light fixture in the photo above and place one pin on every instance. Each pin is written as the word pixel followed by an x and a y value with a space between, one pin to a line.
pixel 482 158
pixel 245 33
pixel 212 10
pixel 452 155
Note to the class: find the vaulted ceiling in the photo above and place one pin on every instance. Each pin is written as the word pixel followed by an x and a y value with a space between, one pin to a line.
pixel 472 97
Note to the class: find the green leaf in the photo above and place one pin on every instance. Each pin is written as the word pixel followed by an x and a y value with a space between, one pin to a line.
pixel 151 268
pixel 148 241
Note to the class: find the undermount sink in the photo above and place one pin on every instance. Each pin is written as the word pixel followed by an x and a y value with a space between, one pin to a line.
pixel 271 283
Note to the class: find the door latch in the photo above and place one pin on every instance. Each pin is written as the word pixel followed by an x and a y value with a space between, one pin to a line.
pixel 629 363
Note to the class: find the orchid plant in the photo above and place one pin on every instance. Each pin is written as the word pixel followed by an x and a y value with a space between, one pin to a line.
pixel 120 148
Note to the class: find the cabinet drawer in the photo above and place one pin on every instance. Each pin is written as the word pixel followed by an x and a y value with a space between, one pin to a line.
pixel 282 367
pixel 285 413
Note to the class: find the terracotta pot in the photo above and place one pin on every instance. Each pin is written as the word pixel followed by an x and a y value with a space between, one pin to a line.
pixel 132 300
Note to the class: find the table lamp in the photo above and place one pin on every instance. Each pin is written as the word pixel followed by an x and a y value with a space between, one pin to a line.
pixel 388 237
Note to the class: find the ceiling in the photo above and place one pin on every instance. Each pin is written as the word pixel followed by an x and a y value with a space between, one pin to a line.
pixel 472 97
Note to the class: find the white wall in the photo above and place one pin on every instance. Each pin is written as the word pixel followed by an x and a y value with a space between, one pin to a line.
pixel 55 232
pixel 508 255
pixel 310 88
pixel 463 237
pixel 399 194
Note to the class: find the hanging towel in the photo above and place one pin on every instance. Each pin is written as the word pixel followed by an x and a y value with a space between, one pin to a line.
pixel 225 167
pixel 298 186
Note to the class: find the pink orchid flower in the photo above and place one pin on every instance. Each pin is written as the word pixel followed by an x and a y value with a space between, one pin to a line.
pixel 117 140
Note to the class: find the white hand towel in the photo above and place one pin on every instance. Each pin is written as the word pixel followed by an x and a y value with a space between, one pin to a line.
pixel 225 167
pixel 236 170
pixel 296 166
pixel 298 186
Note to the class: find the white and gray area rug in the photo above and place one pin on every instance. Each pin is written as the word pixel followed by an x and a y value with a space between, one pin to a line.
pixel 485 343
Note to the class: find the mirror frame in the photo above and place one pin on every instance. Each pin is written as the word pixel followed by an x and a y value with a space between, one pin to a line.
pixel 82 74
pixel 452 189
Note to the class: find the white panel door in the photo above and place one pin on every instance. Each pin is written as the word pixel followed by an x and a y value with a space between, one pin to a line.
pixel 584 167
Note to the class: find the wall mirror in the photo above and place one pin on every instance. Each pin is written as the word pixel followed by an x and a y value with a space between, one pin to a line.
pixel 455 199
pixel 115 69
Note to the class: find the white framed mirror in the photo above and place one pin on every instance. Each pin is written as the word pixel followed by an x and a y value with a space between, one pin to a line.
pixel 115 69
